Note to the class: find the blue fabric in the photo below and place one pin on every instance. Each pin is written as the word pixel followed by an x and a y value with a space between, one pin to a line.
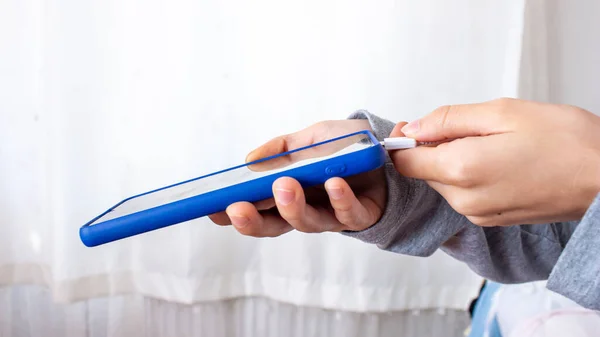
pixel 481 313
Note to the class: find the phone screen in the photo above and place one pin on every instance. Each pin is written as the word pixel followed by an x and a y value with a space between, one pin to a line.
pixel 250 171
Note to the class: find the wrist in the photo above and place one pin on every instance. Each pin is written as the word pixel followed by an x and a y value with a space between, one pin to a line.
pixel 596 159
pixel 380 127
pixel 590 161
pixel 596 179
pixel 591 188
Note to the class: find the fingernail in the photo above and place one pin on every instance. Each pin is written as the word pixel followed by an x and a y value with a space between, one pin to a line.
pixel 284 197
pixel 250 157
pixel 411 128
pixel 335 192
pixel 239 221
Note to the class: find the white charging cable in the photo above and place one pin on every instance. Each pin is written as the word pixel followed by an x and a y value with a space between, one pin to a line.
pixel 398 143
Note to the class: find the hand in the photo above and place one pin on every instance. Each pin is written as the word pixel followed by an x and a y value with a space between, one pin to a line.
pixel 508 161
pixel 352 204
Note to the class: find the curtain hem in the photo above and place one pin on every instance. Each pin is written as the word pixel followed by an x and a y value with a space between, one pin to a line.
pixel 184 290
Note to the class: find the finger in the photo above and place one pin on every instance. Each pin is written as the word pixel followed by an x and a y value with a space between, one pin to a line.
pixel 355 213
pixel 414 163
pixel 476 203
pixel 508 218
pixel 397 130
pixel 299 150
pixel 419 163
pixel 265 204
pixel 316 133
pixel 287 142
pixel 291 204
pixel 222 219
pixel 462 162
pixel 520 216
pixel 442 189
pixel 248 221
pixel 271 148
pixel 459 121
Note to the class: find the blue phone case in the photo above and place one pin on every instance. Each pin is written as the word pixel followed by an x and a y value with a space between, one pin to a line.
pixel 367 159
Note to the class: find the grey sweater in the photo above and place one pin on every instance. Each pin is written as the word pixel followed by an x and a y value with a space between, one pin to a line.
pixel 417 221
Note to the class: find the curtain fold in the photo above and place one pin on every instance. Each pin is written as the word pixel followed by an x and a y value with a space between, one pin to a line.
pixel 133 315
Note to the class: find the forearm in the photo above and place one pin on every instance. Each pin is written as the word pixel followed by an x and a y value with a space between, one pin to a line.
pixel 417 221
pixel 576 274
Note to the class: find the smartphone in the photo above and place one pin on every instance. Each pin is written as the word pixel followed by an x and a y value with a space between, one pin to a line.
pixel 311 165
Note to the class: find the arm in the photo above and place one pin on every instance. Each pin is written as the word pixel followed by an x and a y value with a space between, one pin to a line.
pixel 417 221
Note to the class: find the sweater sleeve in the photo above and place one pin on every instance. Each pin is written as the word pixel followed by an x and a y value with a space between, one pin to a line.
pixel 417 221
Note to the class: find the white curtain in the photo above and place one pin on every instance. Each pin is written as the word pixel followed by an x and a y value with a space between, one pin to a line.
pixel 28 311
pixel 101 100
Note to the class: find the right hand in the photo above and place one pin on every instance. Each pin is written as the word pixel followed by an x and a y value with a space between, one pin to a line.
pixel 508 161
pixel 354 203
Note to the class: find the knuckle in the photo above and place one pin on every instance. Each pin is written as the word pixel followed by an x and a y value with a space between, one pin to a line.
pixel 447 117
pixel 458 171
pixel 305 227
pixel 479 221
pixel 251 230
pixel 485 221
pixel 344 208
pixel 292 217
pixel 445 156
pixel 274 232
pixel 298 221
pixel 272 235
pixel 443 115
pixel 502 105
pixel 465 206
pixel 322 126
pixel 220 219
pixel 348 219
pixel 503 101
pixel 357 220
pixel 572 117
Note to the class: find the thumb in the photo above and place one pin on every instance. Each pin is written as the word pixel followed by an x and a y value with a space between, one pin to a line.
pixel 458 121
pixel 419 163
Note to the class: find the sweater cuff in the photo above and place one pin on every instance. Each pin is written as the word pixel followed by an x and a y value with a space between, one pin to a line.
pixel 381 127
pixel 397 188
pixel 576 273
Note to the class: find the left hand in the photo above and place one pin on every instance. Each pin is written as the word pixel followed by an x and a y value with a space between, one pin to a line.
pixel 354 203
pixel 508 162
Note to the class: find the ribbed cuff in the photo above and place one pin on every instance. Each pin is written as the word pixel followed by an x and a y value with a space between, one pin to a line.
pixel 576 274
pixel 397 188
pixel 381 127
